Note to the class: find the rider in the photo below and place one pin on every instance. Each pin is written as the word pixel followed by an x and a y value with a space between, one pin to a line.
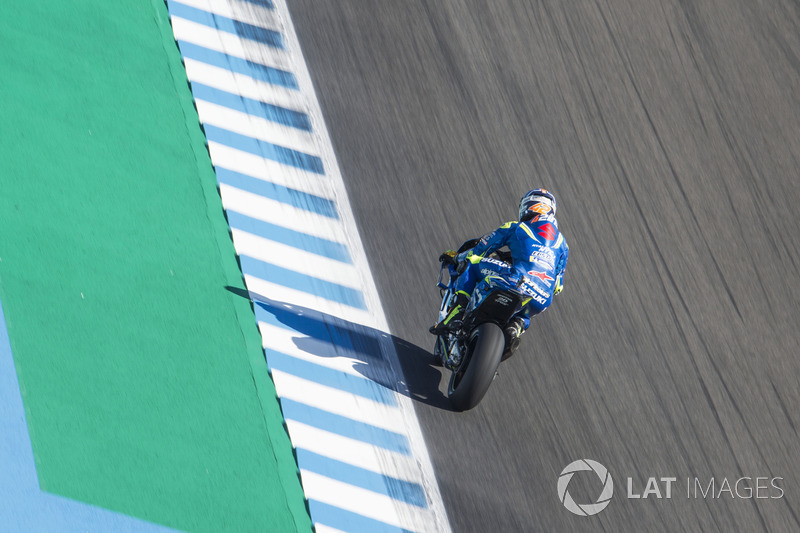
pixel 538 253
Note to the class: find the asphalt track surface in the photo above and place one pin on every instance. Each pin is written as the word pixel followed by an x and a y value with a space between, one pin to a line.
pixel 669 132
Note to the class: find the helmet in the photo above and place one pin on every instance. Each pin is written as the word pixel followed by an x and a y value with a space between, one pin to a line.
pixel 537 201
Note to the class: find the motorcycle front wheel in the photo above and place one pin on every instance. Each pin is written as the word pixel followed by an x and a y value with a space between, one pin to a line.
pixel 439 351
pixel 470 381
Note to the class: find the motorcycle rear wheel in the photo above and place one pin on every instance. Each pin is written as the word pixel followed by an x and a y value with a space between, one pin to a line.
pixel 471 380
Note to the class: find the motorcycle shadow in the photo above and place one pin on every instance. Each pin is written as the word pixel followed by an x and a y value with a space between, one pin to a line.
pixel 327 336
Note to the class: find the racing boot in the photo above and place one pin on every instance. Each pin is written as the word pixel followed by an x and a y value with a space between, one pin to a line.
pixel 454 317
pixel 513 331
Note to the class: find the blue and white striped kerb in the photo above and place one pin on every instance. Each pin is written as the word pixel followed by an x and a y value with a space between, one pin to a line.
pixel 360 451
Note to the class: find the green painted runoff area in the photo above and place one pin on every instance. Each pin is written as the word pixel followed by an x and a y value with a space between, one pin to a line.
pixel 144 382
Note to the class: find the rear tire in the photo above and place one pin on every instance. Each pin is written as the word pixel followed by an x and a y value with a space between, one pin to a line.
pixel 469 383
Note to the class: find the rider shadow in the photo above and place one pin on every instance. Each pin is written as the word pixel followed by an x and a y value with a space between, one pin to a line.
pixel 324 335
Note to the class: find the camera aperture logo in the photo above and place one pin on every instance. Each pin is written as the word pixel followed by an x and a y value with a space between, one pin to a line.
pixel 742 487
pixel 585 509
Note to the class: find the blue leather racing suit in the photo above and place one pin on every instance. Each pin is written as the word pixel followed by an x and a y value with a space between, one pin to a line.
pixel 538 252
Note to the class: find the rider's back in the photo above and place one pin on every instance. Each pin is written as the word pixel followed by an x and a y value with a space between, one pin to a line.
pixel 538 249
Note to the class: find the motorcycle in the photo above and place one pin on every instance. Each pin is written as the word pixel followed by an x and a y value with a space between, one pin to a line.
pixel 473 352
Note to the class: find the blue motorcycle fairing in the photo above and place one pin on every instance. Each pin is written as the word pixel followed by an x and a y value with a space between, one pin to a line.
pixel 487 275
pixel 538 249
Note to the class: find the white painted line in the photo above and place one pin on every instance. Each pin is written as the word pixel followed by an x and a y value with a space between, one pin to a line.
pixel 255 127
pixel 362 501
pixel 280 293
pixel 257 12
pixel 353 452
pixel 236 83
pixel 229 43
pixel 437 517
pixel 322 528
pixel 339 401
pixel 270 171
pixel 255 15
pixel 296 260
pixel 286 342
pixel 280 214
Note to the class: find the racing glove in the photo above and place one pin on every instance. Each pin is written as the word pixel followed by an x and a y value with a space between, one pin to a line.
pixel 454 260
pixel 448 257
pixel 559 284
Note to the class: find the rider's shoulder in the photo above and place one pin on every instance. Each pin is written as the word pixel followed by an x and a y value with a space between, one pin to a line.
pixel 509 224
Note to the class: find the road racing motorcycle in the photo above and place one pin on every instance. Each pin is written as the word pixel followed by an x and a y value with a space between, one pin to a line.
pixel 474 350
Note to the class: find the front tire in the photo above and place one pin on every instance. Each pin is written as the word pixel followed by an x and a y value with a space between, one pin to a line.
pixel 471 380
pixel 439 351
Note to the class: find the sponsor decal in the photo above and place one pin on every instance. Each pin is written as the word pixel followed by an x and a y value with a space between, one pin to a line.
pixel 502 299
pixel 540 275
pixel 540 208
pixel 547 231
pixel 494 262
pixel 532 287
pixel 539 299
pixel 549 265
pixel 545 257
pixel 543 253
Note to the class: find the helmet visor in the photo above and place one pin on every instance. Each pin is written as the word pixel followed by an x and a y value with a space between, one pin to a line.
pixel 535 205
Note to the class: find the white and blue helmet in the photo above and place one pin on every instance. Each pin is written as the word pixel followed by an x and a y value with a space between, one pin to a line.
pixel 537 202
